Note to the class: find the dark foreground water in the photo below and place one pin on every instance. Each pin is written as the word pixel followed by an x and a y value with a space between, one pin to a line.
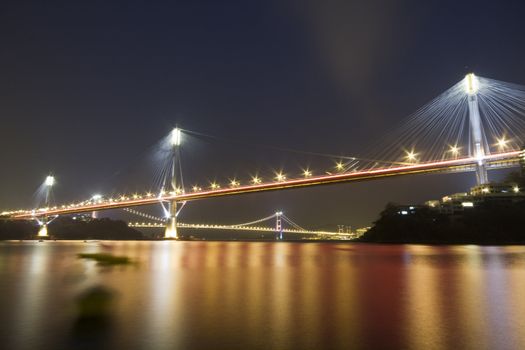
pixel 236 295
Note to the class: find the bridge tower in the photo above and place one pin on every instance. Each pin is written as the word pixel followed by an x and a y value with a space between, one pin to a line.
pixel 278 225
pixel 171 225
pixel 477 147
pixel 42 231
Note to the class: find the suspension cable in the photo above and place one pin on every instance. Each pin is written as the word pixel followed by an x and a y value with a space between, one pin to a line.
pixel 255 222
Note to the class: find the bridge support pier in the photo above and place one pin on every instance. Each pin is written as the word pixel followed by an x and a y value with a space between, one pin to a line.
pixel 42 231
pixel 171 225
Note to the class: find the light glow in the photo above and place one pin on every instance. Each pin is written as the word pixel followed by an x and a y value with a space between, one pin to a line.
pixel 42 232
pixel 411 156
pixel 471 84
pixel 280 177
pixel 175 137
pixel 256 180
pixel 50 181
pixel 502 143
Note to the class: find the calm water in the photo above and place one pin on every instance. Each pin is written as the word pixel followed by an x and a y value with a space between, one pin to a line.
pixel 235 295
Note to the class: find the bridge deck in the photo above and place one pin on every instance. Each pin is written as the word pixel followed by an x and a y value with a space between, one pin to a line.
pixel 463 164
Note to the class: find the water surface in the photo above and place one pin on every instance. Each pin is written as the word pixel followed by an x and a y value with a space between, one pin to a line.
pixel 250 295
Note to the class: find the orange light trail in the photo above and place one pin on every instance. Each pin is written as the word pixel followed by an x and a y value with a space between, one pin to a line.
pixel 272 186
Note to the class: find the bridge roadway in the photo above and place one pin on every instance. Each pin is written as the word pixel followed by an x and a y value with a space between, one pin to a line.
pixel 462 164
pixel 237 228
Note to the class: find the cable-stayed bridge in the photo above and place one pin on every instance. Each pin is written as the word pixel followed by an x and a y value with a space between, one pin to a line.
pixel 475 126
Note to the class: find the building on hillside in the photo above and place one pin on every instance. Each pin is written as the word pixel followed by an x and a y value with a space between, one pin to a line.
pixel 489 193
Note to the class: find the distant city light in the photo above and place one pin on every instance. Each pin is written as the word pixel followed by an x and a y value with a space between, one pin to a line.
pixel 516 189
pixel 50 181
pixel 96 197
pixel 175 137
pixel 467 204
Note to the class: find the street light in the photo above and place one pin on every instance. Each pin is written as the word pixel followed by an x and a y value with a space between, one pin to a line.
pixel 307 173
pixel 256 180
pixel 502 143
pixel 411 156
pixel 280 176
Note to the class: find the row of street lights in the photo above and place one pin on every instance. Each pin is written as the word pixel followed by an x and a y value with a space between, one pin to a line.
pixel 411 156
pixel 176 140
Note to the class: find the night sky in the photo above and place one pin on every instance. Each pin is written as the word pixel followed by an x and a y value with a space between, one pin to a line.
pixel 88 88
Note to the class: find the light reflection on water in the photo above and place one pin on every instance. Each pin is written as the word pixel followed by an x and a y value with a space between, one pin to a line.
pixel 240 295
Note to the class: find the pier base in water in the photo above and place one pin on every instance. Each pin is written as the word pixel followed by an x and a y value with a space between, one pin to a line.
pixel 171 225
pixel 42 232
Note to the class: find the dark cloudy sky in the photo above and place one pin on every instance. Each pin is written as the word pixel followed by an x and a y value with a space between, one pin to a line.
pixel 88 87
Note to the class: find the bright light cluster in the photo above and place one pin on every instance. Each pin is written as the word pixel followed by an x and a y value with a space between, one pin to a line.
pixel 176 137
pixel 50 181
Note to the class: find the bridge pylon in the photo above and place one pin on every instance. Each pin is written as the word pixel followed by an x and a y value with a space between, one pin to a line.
pixel 278 226
pixel 171 225
pixel 42 231
pixel 477 147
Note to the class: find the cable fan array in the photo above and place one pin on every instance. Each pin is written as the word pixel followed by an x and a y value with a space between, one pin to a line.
pixel 441 129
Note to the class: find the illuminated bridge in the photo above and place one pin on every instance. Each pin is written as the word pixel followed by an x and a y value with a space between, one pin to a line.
pixel 255 226
pixel 476 126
